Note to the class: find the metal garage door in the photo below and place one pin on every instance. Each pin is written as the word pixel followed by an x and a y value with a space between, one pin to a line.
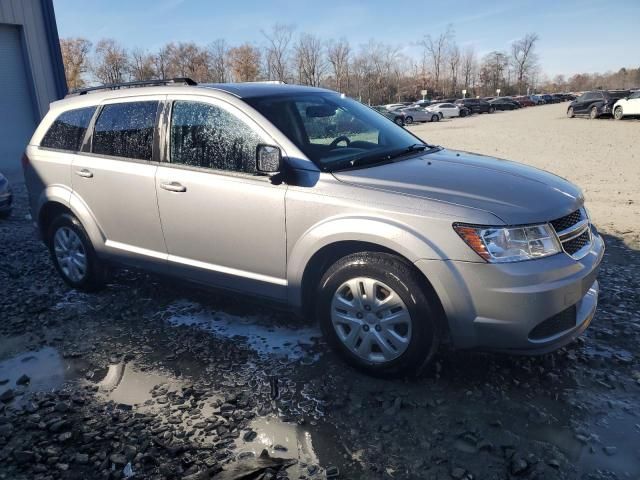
pixel 17 121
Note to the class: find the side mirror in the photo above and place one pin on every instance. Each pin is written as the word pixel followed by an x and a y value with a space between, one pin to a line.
pixel 268 159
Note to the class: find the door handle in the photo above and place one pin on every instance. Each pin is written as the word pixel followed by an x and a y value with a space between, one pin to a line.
pixel 84 173
pixel 173 187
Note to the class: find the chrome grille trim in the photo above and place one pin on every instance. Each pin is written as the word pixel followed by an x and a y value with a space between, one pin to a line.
pixel 571 232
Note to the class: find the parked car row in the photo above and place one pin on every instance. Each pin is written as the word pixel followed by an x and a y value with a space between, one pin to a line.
pixel 406 113
pixel 606 103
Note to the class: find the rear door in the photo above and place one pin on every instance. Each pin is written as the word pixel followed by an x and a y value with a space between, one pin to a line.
pixel 579 105
pixel 115 177
pixel 223 223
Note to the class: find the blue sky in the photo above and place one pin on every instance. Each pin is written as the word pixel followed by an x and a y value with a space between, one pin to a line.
pixel 575 36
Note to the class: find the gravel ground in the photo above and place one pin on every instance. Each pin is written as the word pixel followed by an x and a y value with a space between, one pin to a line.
pixel 151 379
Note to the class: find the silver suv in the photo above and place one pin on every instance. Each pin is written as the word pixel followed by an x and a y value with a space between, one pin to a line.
pixel 306 197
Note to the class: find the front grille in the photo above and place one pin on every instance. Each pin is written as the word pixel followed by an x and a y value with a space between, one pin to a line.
pixel 567 221
pixel 575 244
pixel 573 231
pixel 560 322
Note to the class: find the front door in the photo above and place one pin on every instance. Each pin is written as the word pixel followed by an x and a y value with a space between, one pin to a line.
pixel 223 223
pixel 116 180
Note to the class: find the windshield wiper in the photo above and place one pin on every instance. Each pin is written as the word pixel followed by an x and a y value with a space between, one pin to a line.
pixel 416 147
pixel 371 160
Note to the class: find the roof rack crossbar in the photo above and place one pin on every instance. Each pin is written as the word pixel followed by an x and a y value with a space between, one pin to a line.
pixel 142 83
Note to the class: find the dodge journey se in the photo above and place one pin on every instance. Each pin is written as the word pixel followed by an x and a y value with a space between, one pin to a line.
pixel 306 197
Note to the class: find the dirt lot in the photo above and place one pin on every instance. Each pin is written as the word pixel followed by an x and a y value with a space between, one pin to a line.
pixel 601 156
pixel 150 379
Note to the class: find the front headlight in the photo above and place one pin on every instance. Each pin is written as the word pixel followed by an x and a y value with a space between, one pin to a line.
pixel 510 244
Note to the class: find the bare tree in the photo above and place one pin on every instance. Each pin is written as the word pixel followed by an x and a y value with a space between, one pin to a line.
pixel 454 65
pixel 111 63
pixel 492 71
pixel 75 57
pixel 188 60
pixel 338 53
pixel 524 58
pixel 142 65
pixel 161 62
pixel 468 67
pixel 218 67
pixel 309 59
pixel 277 52
pixel 245 63
pixel 435 51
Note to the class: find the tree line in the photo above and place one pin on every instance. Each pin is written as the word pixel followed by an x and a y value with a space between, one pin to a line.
pixel 374 73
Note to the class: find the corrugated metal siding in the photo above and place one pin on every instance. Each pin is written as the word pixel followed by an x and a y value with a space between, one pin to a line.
pixel 16 108
pixel 29 14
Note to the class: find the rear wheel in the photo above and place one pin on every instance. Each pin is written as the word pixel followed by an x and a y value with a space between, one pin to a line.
pixel 618 113
pixel 399 121
pixel 73 254
pixel 374 311
pixel 570 112
pixel 408 120
pixel 593 113
pixel 491 110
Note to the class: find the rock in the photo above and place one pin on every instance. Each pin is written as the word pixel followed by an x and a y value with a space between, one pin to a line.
pixel 458 473
pixel 81 458
pixel 24 456
pixel 7 396
pixel 23 380
pixel 332 472
pixel 610 450
pixel 518 466
pixel 63 437
pixel 62 407
pixel 280 448
pixel 249 436
pixel 118 459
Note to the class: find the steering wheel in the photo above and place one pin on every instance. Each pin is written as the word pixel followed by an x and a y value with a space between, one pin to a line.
pixel 341 138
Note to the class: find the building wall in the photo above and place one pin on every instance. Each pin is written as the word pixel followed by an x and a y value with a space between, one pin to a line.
pixel 41 48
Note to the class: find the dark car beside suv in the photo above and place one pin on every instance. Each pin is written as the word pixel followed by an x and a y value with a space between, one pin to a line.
pixel 475 105
pixel 596 103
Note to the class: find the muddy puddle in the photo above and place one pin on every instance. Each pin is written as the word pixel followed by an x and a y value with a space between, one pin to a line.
pixel 266 335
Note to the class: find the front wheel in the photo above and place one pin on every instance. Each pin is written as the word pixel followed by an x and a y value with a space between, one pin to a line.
pixel 374 311
pixel 593 113
pixel 73 254
pixel 618 113
pixel 408 120
pixel 435 118
pixel 491 109
pixel 570 112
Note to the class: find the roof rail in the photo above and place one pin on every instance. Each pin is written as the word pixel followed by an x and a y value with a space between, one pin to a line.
pixel 142 83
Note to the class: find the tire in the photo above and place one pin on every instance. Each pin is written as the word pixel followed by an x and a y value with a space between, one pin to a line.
pixel 413 337
pixel 67 239
pixel 491 110
pixel 399 121
pixel 570 112
pixel 593 113
pixel 435 118
pixel 618 113
pixel 441 115
pixel 408 120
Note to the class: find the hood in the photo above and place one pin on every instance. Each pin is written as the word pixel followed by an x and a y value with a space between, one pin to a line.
pixel 515 193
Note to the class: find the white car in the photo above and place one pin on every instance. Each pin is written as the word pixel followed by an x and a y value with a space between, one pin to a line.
pixel 627 106
pixel 418 114
pixel 445 110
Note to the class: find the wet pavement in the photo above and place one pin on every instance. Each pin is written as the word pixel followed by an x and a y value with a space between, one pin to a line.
pixel 153 379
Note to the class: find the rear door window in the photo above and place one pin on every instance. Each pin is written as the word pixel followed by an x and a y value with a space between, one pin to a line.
pixel 126 130
pixel 68 130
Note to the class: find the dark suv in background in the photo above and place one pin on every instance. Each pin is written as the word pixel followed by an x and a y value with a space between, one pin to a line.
pixel 596 103
pixel 475 105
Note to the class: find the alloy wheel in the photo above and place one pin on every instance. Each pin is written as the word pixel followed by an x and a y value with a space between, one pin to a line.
pixel 70 254
pixel 371 320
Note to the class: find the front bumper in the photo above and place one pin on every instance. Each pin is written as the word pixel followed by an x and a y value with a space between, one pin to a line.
pixel 498 306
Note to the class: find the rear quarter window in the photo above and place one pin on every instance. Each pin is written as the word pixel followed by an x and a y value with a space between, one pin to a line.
pixel 126 130
pixel 68 130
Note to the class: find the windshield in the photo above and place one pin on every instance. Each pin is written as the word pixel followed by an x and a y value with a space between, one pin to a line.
pixel 618 94
pixel 334 131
